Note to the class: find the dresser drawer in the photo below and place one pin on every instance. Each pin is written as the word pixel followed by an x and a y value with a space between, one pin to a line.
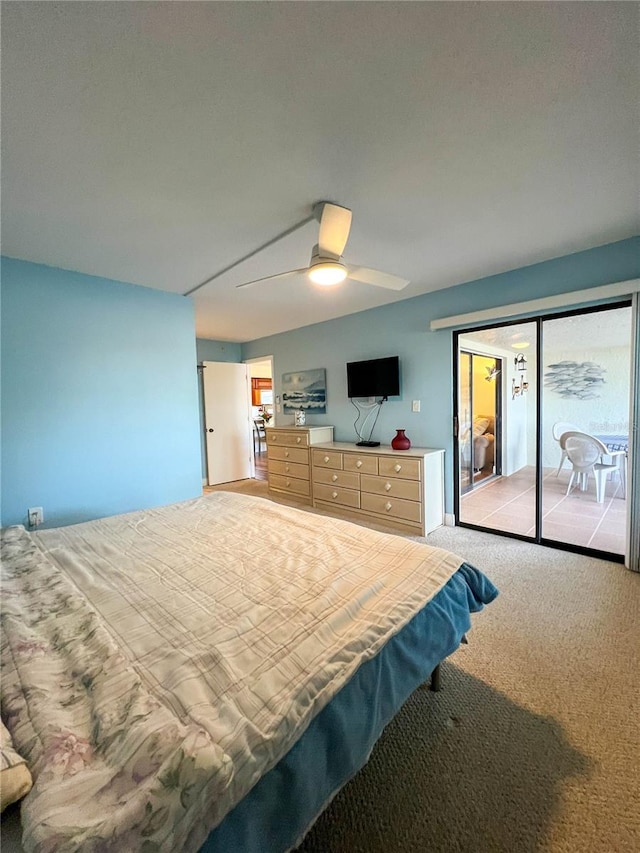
pixel 289 454
pixel 336 495
pixel 275 466
pixel 288 438
pixel 393 507
pixel 327 459
pixel 289 484
pixel 408 469
pixel 392 486
pixel 363 464
pixel 347 479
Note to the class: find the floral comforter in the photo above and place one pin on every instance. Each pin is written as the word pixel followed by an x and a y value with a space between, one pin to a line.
pixel 157 664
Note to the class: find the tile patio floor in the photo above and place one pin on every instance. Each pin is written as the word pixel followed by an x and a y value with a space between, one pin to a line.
pixel 508 503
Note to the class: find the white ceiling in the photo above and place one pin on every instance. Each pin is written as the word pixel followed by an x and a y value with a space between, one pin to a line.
pixel 605 329
pixel 156 143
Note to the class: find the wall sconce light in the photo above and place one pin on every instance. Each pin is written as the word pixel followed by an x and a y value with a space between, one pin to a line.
pixel 519 390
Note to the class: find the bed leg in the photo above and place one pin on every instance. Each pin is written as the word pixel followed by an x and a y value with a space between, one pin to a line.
pixel 435 679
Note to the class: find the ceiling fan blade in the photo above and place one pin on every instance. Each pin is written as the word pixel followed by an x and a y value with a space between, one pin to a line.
pixel 377 278
pixel 335 223
pixel 272 277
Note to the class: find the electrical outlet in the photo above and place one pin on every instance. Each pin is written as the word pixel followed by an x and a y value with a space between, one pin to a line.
pixel 36 516
pixel 415 406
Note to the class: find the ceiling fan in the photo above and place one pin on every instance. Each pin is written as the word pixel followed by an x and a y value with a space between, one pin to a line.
pixel 326 266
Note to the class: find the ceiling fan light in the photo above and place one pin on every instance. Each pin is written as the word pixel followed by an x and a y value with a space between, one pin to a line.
pixel 327 273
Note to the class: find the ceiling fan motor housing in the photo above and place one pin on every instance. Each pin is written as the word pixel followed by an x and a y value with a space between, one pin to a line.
pixel 317 258
pixel 326 269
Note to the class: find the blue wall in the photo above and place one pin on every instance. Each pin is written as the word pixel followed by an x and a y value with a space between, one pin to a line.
pixel 99 396
pixel 207 350
pixel 427 357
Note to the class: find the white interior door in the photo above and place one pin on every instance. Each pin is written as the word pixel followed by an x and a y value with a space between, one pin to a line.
pixel 226 415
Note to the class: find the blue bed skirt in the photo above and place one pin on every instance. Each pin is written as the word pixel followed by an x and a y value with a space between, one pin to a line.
pixel 280 809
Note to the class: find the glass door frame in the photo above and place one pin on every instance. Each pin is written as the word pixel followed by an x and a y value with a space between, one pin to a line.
pixel 537 538
pixel 498 399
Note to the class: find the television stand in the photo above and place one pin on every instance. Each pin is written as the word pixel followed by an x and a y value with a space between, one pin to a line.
pixel 367 444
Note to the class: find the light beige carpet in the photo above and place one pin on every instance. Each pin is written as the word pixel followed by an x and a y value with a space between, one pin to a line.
pixel 533 743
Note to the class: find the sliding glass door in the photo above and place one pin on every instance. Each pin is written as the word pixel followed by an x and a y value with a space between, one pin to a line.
pixel 585 434
pixel 497 428
pixel 559 431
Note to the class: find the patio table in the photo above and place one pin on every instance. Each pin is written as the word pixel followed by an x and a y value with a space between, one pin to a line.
pixel 619 447
pixel 614 442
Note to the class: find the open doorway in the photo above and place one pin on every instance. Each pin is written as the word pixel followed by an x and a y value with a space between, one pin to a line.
pixel 480 416
pixel 262 410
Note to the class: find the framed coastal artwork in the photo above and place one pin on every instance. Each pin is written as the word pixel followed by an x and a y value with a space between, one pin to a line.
pixel 305 390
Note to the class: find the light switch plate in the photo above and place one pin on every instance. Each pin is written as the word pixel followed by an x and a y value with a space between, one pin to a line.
pixel 415 406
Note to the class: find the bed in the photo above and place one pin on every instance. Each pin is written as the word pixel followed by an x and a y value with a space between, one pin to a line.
pixel 206 676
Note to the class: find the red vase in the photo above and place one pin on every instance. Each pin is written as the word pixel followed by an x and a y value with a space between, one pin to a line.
pixel 400 441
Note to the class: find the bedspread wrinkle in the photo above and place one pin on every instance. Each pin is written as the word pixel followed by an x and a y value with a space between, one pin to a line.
pixel 157 664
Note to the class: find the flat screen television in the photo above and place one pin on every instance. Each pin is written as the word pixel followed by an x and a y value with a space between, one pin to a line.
pixel 378 377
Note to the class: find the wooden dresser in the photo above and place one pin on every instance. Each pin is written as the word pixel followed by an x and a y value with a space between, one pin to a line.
pixel 288 462
pixel 402 488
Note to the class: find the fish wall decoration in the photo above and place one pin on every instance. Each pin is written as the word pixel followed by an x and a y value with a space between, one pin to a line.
pixel 580 380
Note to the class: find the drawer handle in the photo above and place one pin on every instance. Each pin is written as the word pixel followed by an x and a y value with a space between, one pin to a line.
pixel 387 506
pixel 359 463
pixel 326 459
pixel 387 487
pixel 334 477
pixel 287 469
pixel 286 453
pixel 288 482
pixel 298 440
pixel 397 468
pixel 334 494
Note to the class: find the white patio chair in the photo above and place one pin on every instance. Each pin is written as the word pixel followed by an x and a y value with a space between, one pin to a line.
pixel 559 428
pixel 584 452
